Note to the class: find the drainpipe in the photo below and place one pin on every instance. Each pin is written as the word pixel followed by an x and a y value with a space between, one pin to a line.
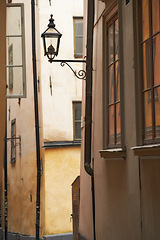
pixel 5 178
pixel 36 121
pixel 88 107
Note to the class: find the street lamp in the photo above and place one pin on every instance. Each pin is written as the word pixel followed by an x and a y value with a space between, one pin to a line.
pixel 51 41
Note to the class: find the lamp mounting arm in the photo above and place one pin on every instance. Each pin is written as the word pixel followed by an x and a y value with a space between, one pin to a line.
pixel 81 73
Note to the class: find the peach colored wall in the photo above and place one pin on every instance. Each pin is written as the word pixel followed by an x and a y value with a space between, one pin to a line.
pixel 22 175
pixel 119 204
pixel 2 95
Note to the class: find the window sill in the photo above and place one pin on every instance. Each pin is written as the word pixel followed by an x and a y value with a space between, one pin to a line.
pixel 113 154
pixel 147 150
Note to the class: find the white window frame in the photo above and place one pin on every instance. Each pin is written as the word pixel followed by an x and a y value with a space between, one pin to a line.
pixel 23 95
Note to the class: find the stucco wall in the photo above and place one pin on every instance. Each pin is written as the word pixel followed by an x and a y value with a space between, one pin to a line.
pixel 2 95
pixel 22 175
pixel 61 169
pixel 126 191
pixel 66 88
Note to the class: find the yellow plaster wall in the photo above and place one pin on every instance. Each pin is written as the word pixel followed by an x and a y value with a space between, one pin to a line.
pixel 61 168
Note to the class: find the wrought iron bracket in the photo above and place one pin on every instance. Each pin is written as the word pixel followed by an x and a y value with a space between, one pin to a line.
pixel 17 143
pixel 81 73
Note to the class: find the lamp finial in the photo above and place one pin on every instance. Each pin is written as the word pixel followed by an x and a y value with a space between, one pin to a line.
pixel 51 22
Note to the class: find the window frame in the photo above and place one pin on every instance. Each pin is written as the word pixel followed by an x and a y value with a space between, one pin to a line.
pixel 111 12
pixel 74 120
pixel 13 141
pixel 77 55
pixel 139 78
pixel 23 65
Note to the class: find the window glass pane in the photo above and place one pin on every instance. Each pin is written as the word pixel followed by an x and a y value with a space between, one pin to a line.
pixel 116 39
pixel 13 140
pixel 79 46
pixel 14 21
pixel 111 84
pixel 111 124
pixel 78 37
pixel 77 120
pixel 14 51
pixel 16 74
pixel 117 82
pixel 79 27
pixel 148 114
pixel 77 130
pixel 156 59
pixel 118 122
pixel 77 111
pixel 157 111
pixel 110 44
pixel 145 19
pixel 155 16
pixel 147 65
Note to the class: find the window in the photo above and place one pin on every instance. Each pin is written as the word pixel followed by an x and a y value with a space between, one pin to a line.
pixel 77 120
pixel 78 36
pixel 13 140
pixel 113 108
pixel 150 46
pixel 15 65
pixel 10 60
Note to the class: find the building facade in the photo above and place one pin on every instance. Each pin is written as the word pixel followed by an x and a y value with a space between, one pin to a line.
pixel 125 156
pixel 61 106
pixel 2 105
pixel 58 102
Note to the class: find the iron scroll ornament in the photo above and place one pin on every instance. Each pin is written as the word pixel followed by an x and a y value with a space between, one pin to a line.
pixel 81 73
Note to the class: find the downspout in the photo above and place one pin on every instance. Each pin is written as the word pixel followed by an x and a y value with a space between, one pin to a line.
pixel 5 178
pixel 88 104
pixel 36 122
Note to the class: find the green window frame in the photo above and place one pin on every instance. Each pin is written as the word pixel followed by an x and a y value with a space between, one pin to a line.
pixel 77 120
pixel 78 37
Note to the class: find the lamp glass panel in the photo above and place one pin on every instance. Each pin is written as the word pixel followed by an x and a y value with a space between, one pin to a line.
pixel 52 31
pixel 50 41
